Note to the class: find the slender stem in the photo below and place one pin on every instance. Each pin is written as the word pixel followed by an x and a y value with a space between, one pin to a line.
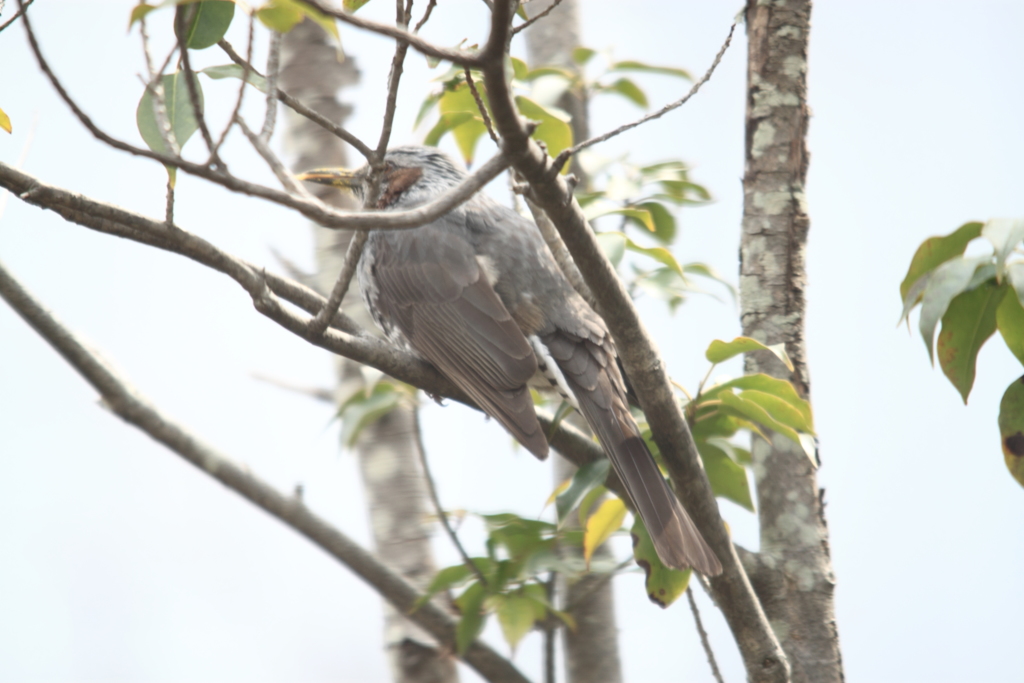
pixel 566 153
pixel 426 15
pixel 320 323
pixel 287 180
pixel 441 514
pixel 480 105
pixel 273 65
pixel 155 86
pixel 169 208
pixel 246 70
pixel 180 17
pixel 705 643
pixel 526 24
pixel 24 7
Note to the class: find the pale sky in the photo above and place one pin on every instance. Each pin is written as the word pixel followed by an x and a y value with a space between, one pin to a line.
pixel 118 561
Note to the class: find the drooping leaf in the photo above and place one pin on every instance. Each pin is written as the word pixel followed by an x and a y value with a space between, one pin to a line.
pixel 236 71
pixel 585 480
pixel 180 114
pixel 5 121
pixel 605 521
pixel 445 123
pixel 445 579
pixel 659 254
pixel 1010 321
pixel 628 89
pixel 632 65
pixel 663 585
pixel 467 131
pixel 139 12
pixel 937 250
pixel 1004 234
pixel 779 388
pixel 664 221
pixel 554 129
pixel 720 351
pixel 516 615
pixel 470 605
pixel 353 5
pixel 582 55
pixel 587 504
pixel 946 282
pixel 754 412
pixel 968 323
pixel 780 409
pixel 1011 428
pixel 519 68
pixel 727 477
pixel 201 24
pixel 283 15
pixel 429 103
pixel 364 408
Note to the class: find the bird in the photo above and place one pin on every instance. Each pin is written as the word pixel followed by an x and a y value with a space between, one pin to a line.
pixel 478 294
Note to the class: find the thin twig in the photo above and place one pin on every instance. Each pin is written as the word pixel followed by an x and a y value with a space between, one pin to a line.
pixel 319 393
pixel 394 78
pixel 426 15
pixel 480 105
pixel 155 86
pixel 549 631
pixel 526 24
pixel 21 10
pixel 126 402
pixel 322 321
pixel 287 180
pixel 246 70
pixel 461 57
pixel 441 514
pixel 191 85
pixel 566 153
pixel 597 585
pixel 299 108
pixel 273 64
pixel 169 207
pixel 703 636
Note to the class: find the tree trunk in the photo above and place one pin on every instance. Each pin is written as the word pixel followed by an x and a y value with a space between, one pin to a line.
pixel 387 449
pixel 592 649
pixel 792 574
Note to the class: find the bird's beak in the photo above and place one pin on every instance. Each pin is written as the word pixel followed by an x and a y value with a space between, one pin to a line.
pixel 335 177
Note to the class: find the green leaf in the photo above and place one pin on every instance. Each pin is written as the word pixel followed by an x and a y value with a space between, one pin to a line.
pixel 664 221
pixel 204 23
pixel 605 521
pixel 1004 234
pixel 352 5
pixel 180 115
pixel 684 192
pixel 236 71
pixel 756 413
pixel 363 409
pixel 429 103
pixel 587 504
pixel 966 326
pixel 947 281
pixel 139 12
pixel 1010 321
pixel 283 15
pixel 720 351
pixel 728 479
pixel 613 244
pixel 780 409
pixel 554 129
pixel 582 55
pixel 1011 429
pixel 470 605
pixel 519 69
pixel 663 585
pixel 936 250
pixel 468 131
pixel 444 124
pixel 779 388
pixel 659 254
pixel 444 580
pixel 516 615
pixel 628 89
pixel 5 121
pixel 585 480
pixel 631 65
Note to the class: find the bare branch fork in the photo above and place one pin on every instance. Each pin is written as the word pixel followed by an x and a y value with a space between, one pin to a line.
pixel 129 405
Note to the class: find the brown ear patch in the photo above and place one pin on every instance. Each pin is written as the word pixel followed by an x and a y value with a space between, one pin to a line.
pixel 398 181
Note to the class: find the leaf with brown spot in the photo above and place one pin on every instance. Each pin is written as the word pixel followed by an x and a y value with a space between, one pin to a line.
pixel 1011 428
pixel 967 324
pixel 663 585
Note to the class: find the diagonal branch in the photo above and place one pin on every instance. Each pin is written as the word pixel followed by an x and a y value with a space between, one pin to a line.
pixel 128 404
pixel 764 659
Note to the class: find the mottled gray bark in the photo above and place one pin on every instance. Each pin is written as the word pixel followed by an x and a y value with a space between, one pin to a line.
pixel 792 574
pixel 592 649
pixel 387 450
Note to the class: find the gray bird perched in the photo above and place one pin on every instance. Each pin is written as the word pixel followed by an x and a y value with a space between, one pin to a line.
pixel 478 294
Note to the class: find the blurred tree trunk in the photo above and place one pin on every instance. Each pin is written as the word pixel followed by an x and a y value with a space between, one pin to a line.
pixel 592 649
pixel 792 574
pixel 388 449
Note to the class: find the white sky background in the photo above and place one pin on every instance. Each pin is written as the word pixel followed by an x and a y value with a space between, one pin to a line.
pixel 118 561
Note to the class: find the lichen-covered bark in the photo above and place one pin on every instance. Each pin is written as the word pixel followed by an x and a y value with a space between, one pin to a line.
pixel 592 648
pixel 387 450
pixel 792 574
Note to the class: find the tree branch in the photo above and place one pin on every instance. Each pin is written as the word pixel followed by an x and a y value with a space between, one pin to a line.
pixel 763 657
pixel 127 403
pixel 526 24
pixel 355 250
pixel 705 643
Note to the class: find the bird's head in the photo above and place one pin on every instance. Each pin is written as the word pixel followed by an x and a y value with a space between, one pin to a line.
pixel 411 176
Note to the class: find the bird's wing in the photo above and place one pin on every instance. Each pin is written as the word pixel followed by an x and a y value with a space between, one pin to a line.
pixel 588 363
pixel 431 285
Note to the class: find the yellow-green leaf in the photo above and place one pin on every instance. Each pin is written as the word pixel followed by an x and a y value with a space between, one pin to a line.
pixel 720 351
pixel 516 615
pixel 1010 321
pixel 5 121
pixel 936 250
pixel 663 585
pixel 353 5
pixel 204 23
pixel 554 129
pixel 768 384
pixel 780 409
pixel 605 521
pixel 138 12
pixel 967 324
pixel 585 480
pixel 727 477
pixel 1011 428
pixel 470 605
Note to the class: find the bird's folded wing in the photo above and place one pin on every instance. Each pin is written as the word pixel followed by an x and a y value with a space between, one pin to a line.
pixel 451 315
